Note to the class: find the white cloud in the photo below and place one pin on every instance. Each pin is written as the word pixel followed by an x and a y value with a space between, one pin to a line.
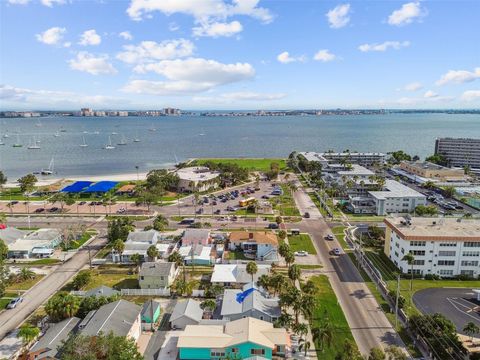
pixel 203 11
pixel 217 29
pixel 384 46
pixel 188 76
pixel 324 55
pixel 52 36
pixel 413 86
pixel 425 100
pixel 126 35
pixel 39 98
pixel 430 94
pixel 406 14
pixel 50 3
pixel 148 51
pixel 90 37
pixel 92 64
pixel 338 16
pixel 67 44
pixel 247 95
pixel 285 58
pixel 459 76
pixel 471 95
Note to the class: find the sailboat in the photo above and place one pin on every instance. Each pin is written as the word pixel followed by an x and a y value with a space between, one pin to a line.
pixel 6 136
pixel 49 170
pixel 39 123
pixel 84 144
pixel 109 146
pixel 33 145
pixel 18 144
pixel 57 134
pixel 152 128
pixel 136 138
pixel 2 142
pixel 123 141
pixel 62 129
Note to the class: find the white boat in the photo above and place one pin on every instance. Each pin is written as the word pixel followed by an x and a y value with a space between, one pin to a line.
pixel 57 134
pixel 18 144
pixel 49 170
pixel 96 132
pixel 123 141
pixel 33 145
pixel 6 136
pixel 84 144
pixel 152 128
pixel 1 142
pixel 38 124
pixel 136 138
pixel 114 133
pixel 109 146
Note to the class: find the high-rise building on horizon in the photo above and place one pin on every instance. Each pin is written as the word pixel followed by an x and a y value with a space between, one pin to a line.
pixel 459 152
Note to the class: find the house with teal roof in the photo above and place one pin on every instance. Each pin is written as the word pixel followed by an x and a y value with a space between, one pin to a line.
pixel 243 338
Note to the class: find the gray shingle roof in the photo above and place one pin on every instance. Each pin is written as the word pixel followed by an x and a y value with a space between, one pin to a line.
pixel 189 308
pixel 10 235
pixel 156 268
pixel 255 300
pixel 143 236
pixel 117 317
pixel 54 337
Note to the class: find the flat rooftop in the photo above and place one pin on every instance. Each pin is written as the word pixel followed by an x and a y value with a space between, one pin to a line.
pixel 197 173
pixel 435 229
pixel 356 170
pixel 395 190
pixel 428 165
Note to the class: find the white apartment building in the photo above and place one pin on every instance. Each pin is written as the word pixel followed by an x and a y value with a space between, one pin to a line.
pixel 360 158
pixel 441 246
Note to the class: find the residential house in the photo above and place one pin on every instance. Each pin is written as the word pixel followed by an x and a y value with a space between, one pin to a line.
pixel 197 254
pixel 258 245
pixel 196 237
pixel 236 274
pixel 10 234
pixel 120 317
pixel 138 242
pixel 186 312
pixel 257 305
pixel 47 347
pixel 150 314
pixel 37 244
pixel 157 275
pixel 244 338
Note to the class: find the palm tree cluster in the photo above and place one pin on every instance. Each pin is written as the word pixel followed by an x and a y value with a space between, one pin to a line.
pixel 62 306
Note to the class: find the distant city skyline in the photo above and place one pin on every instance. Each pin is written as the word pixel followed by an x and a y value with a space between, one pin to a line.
pixel 238 55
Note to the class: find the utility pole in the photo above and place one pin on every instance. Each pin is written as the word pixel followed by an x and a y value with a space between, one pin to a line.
pixel 396 301
pixel 89 257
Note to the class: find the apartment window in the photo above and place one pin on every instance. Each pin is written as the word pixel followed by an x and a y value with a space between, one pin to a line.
pixel 235 350
pixel 471 253
pixel 142 278
pixel 449 244
pixel 397 245
pixel 445 272
pixel 162 278
pixel 446 262
pixel 257 351
pixel 467 272
pixel 471 244
pixel 396 254
pixel 469 263
pixel 418 262
pixel 217 353
pixel 418 252
pixel 415 271
pixel 417 243
pixel 447 253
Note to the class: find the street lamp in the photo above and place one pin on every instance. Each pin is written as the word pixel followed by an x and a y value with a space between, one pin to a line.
pixel 136 167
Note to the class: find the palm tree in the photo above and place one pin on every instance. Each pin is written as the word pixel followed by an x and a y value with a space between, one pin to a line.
pixel 323 335
pixel 208 305
pixel 304 344
pixel 410 259
pixel 285 320
pixel 300 329
pixel 152 252
pixel 471 329
pixel 449 191
pixel 176 258
pixel 289 258
pixel 119 246
pixel 136 259
pixel 294 273
pixel 252 268
pixel 278 283
pixel 28 333
pixel 309 287
pixel 265 282
pixel 284 248
pixel 428 184
pixel 26 274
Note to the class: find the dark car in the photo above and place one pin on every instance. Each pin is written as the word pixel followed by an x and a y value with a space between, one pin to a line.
pixel 82 203
pixel 214 203
pixel 272 226
pixel 53 209
pixel 217 212
pixel 306 215
pixel 14 202
pixel 39 210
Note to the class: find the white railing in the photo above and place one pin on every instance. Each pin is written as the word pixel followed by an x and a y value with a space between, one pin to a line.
pixel 145 292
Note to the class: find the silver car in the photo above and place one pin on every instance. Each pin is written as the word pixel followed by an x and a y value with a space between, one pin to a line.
pixel 14 302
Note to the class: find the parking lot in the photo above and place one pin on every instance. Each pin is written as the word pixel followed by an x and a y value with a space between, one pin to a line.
pixel 458 304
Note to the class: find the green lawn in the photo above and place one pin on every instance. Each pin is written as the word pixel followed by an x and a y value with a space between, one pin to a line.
pixel 327 303
pixel 236 255
pixel 285 203
pixel 46 261
pixel 386 267
pixel 117 281
pixel 301 242
pixel 24 285
pixel 83 239
pixel 253 164
pixel 340 235
pixel 365 218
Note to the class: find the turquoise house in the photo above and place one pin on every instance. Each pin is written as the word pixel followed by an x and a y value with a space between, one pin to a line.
pixel 243 338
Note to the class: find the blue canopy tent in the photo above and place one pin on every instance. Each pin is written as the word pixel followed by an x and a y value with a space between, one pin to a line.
pixel 76 187
pixel 101 187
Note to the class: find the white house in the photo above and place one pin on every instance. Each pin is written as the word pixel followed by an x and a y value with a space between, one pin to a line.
pixel 258 245
pixel 440 246
pixel 236 274
pixel 198 178
pixel 40 243
pixel 138 242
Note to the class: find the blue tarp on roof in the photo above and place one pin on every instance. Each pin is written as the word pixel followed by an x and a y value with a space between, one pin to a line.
pixel 101 186
pixel 77 186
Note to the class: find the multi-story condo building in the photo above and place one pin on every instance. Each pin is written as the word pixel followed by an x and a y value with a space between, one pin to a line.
pixel 428 170
pixel 459 152
pixel 440 246
pixel 360 158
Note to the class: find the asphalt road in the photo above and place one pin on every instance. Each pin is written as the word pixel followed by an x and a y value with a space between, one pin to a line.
pixel 38 294
pixel 368 323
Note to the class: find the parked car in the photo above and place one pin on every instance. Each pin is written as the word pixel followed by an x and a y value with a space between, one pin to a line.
pixel 265 197
pixel 329 237
pixel 306 215
pixel 14 302
pixel 39 210
pixel 301 253
pixel 53 209
pixel 217 212
pixel 272 226
pixel 82 203
pixel 14 202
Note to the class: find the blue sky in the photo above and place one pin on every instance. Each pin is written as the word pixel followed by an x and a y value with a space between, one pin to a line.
pixel 239 54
